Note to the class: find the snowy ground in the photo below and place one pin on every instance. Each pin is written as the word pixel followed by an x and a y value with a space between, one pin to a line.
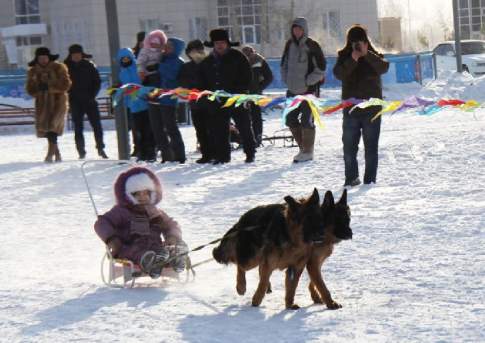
pixel 414 272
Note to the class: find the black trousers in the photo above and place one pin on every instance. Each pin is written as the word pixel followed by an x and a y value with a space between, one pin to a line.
pixel 78 110
pixel 257 123
pixel 357 124
pixel 220 129
pixel 163 121
pixel 143 136
pixel 202 125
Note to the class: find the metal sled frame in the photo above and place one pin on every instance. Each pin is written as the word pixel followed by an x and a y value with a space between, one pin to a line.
pixel 281 135
pixel 128 272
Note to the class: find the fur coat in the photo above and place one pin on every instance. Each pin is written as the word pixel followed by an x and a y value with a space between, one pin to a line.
pixel 50 105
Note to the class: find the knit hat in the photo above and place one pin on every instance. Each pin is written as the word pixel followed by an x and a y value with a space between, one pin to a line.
pixel 42 51
pixel 219 35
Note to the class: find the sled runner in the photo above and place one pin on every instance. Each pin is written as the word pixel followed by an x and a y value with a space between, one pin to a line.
pixel 122 273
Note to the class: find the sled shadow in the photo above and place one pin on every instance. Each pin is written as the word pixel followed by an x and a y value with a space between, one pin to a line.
pixel 79 309
pixel 247 324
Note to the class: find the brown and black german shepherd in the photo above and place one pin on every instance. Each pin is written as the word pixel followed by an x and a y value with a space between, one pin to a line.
pixel 337 228
pixel 288 236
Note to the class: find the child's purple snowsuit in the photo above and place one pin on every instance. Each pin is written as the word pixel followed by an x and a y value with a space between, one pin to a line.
pixel 139 228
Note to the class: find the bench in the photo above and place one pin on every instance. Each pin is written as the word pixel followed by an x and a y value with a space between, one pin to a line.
pixel 16 115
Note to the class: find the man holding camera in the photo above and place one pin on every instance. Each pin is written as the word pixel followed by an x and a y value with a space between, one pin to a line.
pixel 359 66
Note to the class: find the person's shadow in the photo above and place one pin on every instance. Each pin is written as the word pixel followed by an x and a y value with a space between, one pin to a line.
pixel 81 308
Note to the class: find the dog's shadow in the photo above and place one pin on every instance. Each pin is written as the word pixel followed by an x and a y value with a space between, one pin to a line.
pixel 248 324
pixel 81 308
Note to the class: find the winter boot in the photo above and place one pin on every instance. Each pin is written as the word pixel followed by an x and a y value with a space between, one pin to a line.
pixel 167 155
pixel 147 261
pixel 352 183
pixel 50 153
pixel 308 141
pixel 297 135
pixel 57 153
pixel 102 154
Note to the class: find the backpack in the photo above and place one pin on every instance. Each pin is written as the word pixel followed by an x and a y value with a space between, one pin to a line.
pixel 314 51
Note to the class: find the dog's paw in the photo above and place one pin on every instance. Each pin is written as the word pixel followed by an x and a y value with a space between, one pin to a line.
pixel 241 289
pixel 269 290
pixel 333 305
pixel 293 307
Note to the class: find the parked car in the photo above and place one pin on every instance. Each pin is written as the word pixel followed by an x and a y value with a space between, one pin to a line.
pixel 472 56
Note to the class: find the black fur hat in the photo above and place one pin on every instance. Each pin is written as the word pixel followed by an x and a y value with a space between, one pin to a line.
pixel 195 44
pixel 77 48
pixel 219 35
pixel 42 51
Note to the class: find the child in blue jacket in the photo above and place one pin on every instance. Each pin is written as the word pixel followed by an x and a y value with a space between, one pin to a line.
pixel 137 107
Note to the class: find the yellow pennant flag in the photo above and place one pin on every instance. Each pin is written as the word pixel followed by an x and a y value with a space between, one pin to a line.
pixel 392 106
pixel 231 101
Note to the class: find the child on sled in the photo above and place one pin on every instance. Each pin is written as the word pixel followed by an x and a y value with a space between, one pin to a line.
pixel 135 229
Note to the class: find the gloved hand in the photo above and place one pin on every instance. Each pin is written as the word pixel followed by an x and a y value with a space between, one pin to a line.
pixel 43 87
pixel 115 246
pixel 180 251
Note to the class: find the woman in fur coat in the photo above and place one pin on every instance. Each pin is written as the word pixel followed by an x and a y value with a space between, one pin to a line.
pixel 48 82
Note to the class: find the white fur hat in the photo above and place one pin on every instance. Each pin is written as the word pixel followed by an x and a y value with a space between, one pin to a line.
pixel 139 182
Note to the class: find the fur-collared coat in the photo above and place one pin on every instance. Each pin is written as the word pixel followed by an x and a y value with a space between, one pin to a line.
pixel 50 105
pixel 139 228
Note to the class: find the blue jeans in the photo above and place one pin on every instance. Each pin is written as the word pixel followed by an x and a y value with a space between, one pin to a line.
pixel 354 125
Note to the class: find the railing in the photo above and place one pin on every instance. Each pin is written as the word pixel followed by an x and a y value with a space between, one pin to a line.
pixel 16 115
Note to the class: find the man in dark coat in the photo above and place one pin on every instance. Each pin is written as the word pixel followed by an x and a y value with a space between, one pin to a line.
pixel 262 77
pixel 189 77
pixel 228 69
pixel 359 66
pixel 82 98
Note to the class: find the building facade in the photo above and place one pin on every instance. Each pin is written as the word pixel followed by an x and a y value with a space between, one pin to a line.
pixel 472 18
pixel 265 24
pixel 390 34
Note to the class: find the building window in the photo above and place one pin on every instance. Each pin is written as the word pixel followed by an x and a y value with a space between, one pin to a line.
pixel 241 17
pixel 331 24
pixel 463 3
pixel 198 28
pixel 27 12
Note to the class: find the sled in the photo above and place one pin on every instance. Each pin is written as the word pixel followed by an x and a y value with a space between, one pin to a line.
pixel 122 273
pixel 283 135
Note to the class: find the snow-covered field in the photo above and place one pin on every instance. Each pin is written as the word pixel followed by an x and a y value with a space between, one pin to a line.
pixel 414 271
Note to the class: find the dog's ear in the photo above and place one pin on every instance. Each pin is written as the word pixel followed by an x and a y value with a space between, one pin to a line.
pixel 328 201
pixel 343 198
pixel 314 198
pixel 293 205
